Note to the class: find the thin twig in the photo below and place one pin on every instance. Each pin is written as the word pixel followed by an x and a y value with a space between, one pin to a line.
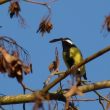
pixel 101 96
pixel 100 99
pixel 12 42
pixel 18 99
pixel 34 2
pixel 101 103
pixel 1 108
pixel 83 100
pixel 55 106
pixel 41 3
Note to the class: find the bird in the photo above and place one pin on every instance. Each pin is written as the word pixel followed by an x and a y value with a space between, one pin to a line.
pixel 72 56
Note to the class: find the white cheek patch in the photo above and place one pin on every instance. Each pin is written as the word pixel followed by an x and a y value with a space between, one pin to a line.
pixel 69 41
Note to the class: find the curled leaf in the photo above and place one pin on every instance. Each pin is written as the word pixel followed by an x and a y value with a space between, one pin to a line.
pixel 14 60
pixel 45 26
pixel 53 67
pixel 107 23
pixel 2 65
pixel 14 9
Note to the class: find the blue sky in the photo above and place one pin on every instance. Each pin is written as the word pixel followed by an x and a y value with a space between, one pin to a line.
pixel 80 20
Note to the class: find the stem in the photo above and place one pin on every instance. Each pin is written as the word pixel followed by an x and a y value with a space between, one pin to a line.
pixel 28 98
pixel 41 3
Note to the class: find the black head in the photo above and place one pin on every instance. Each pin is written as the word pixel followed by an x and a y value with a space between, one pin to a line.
pixel 66 42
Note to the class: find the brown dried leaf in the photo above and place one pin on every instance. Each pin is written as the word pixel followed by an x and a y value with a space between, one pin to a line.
pixel 27 69
pixel 53 67
pixel 14 9
pixel 45 26
pixel 106 24
pixel 13 65
pixel 2 65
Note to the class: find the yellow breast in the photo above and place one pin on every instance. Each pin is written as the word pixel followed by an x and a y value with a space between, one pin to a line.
pixel 76 56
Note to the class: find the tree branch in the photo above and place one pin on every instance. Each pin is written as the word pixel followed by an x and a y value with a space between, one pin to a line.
pixel 46 4
pixel 5 100
pixel 71 70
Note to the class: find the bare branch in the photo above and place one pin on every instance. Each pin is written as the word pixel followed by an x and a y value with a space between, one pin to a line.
pixel 102 96
pixel 71 70
pixel 5 100
pixel 85 100
pixel 36 2
pixel 100 99
pixel 46 4
pixel 40 3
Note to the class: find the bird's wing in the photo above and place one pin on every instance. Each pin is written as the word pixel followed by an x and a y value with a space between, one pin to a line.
pixel 77 57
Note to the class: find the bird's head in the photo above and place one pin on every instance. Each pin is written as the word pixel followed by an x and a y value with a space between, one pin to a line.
pixel 65 41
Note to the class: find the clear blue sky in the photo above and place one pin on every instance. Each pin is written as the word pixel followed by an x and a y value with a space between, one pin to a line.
pixel 81 20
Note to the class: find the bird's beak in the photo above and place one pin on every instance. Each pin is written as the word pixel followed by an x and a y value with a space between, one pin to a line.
pixel 56 40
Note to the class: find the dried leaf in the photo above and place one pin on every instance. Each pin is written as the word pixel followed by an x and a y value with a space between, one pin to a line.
pixel 107 23
pixel 14 9
pixel 53 67
pixel 27 69
pixel 45 26
pixel 2 66
pixel 14 66
pixel 11 62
